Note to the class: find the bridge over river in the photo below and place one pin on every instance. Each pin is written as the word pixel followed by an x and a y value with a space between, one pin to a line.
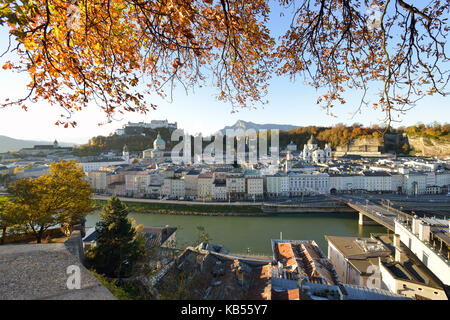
pixel 370 213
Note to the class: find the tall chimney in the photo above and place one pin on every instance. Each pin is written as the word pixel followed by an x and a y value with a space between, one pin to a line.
pixel 397 240
pixel 400 254
pixel 415 225
pixel 424 232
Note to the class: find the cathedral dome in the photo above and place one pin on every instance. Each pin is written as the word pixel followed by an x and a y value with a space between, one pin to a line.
pixel 159 143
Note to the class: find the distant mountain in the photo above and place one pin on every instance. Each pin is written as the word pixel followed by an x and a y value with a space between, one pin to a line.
pixel 11 144
pixel 240 124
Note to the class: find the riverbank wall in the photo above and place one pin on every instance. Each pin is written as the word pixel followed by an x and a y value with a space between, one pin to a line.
pixel 263 210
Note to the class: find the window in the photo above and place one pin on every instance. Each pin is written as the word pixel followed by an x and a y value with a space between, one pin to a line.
pixel 425 259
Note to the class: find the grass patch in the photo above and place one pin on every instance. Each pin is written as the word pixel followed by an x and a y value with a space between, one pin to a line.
pixel 170 208
pixel 415 153
pixel 443 138
pixel 112 286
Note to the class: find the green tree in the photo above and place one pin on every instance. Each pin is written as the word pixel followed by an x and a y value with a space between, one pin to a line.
pixel 71 194
pixel 3 218
pixel 8 217
pixel 18 169
pixel 5 179
pixel 29 166
pixel 61 197
pixel 118 246
pixel 27 195
pixel 112 286
pixel 203 236
pixel 405 148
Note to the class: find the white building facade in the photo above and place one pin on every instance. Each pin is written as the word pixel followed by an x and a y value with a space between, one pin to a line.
pixel 277 185
pixel 173 188
pixel 417 240
pixel 305 184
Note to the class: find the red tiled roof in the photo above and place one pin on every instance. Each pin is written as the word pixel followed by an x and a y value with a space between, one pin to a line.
pixel 319 273
pixel 293 294
pixel 286 255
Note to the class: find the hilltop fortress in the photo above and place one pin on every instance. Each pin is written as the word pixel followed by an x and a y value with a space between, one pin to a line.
pixel 138 128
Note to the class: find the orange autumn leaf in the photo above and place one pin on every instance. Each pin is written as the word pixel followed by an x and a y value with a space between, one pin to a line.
pixel 7 66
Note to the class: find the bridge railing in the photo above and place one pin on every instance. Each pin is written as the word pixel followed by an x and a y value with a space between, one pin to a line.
pixel 406 215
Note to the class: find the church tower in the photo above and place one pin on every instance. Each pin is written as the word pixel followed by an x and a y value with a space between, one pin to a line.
pixel 125 154
pixel 287 164
pixel 327 150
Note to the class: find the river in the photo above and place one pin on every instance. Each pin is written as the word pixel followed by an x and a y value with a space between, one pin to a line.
pixel 240 234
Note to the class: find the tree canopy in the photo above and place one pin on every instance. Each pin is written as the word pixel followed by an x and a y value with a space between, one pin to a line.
pixel 346 44
pixel 61 197
pixel 118 246
pixel 117 52
pixel 8 217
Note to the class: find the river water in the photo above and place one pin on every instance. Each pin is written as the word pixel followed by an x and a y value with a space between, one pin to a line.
pixel 253 234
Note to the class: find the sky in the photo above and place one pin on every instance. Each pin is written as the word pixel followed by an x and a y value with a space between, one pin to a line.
pixel 290 102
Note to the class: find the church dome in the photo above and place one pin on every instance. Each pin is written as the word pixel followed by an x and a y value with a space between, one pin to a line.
pixel 159 143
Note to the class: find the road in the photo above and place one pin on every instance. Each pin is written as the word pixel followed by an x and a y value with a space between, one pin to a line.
pixel 440 198
pixel 233 203
pixel 380 214
pixel 237 203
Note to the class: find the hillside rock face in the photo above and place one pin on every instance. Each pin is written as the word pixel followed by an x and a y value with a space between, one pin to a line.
pixel 422 146
pixel 429 147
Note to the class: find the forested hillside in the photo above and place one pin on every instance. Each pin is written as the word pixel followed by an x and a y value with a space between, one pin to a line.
pixel 337 135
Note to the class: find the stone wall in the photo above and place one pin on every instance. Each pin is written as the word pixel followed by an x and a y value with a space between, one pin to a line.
pixel 429 147
pixel 361 146
pixel 75 245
